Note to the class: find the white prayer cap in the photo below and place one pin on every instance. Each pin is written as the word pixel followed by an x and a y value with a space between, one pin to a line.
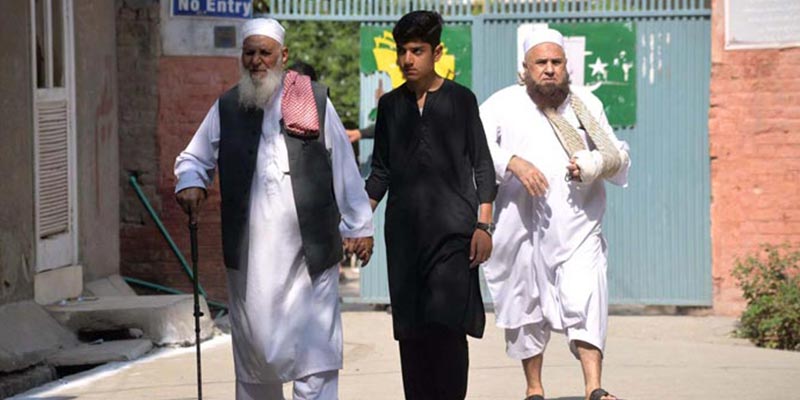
pixel 263 26
pixel 542 35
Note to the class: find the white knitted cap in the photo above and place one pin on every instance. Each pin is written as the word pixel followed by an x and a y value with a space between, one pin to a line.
pixel 265 27
pixel 542 35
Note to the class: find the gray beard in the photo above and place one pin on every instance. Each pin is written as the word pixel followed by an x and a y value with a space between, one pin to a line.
pixel 547 95
pixel 256 93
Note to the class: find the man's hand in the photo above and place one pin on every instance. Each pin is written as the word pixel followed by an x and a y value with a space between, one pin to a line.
pixel 480 248
pixel 363 249
pixel 190 200
pixel 573 170
pixel 349 246
pixel 530 176
pixel 353 134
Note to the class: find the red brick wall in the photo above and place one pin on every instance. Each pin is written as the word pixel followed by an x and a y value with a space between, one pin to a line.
pixel 187 87
pixel 754 129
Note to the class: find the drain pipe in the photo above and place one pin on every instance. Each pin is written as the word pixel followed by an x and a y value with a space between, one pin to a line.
pixel 164 232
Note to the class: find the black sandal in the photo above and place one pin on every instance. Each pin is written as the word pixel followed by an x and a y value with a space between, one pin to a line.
pixel 535 397
pixel 598 394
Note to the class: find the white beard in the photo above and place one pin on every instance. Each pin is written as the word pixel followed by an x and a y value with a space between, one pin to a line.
pixel 255 93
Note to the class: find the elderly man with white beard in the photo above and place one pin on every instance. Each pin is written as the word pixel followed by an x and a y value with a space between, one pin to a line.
pixel 553 149
pixel 290 193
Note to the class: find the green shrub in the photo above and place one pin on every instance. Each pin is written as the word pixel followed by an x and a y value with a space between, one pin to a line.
pixel 770 281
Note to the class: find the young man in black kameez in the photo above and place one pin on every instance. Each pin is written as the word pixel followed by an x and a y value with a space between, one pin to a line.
pixel 432 157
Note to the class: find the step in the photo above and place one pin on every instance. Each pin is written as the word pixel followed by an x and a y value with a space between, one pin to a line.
pixel 112 285
pixel 28 334
pixel 101 353
pixel 164 319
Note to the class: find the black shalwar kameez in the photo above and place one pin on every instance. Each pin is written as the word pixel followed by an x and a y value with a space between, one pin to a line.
pixel 436 165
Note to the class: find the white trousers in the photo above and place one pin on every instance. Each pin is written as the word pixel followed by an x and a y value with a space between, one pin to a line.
pixel 574 298
pixel 320 386
pixel 527 341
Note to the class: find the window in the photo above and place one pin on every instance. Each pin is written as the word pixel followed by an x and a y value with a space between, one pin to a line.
pixel 53 133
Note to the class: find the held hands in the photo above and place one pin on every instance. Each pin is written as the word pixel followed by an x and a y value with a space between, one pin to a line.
pixel 531 178
pixel 361 247
pixel 480 248
pixel 190 200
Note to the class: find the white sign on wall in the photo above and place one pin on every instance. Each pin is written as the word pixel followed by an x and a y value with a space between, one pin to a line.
pixel 213 8
pixel 203 27
pixel 759 24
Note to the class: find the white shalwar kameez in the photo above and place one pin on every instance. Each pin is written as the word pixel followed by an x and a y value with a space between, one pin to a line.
pixel 285 326
pixel 548 265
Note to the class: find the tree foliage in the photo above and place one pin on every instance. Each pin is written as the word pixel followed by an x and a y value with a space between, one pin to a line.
pixel 332 48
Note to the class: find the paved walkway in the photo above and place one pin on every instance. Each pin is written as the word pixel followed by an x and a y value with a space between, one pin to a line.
pixel 648 358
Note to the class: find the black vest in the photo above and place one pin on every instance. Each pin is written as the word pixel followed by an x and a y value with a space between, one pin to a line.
pixel 312 183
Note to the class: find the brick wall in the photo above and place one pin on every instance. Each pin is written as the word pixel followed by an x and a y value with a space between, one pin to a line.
pixel 138 49
pixel 162 102
pixel 754 128
pixel 188 87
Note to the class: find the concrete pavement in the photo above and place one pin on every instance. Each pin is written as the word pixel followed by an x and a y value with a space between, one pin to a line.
pixel 648 358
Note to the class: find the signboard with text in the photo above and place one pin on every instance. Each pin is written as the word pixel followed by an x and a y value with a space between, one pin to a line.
pixel 213 8
pixel 761 24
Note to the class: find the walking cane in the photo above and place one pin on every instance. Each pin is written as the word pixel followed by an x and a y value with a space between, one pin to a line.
pixel 197 313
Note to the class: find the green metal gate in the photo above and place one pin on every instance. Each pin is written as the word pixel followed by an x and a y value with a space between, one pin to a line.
pixel 657 228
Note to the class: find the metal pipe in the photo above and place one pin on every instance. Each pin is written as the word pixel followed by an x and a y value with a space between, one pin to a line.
pixel 163 231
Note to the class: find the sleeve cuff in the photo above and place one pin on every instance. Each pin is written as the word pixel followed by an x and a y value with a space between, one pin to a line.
pixel 501 158
pixel 487 195
pixel 356 233
pixel 375 190
pixel 189 179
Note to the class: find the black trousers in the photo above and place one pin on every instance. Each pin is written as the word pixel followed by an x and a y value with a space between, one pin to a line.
pixel 435 363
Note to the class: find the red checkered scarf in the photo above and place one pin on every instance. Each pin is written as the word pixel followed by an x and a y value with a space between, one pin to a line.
pixel 298 108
